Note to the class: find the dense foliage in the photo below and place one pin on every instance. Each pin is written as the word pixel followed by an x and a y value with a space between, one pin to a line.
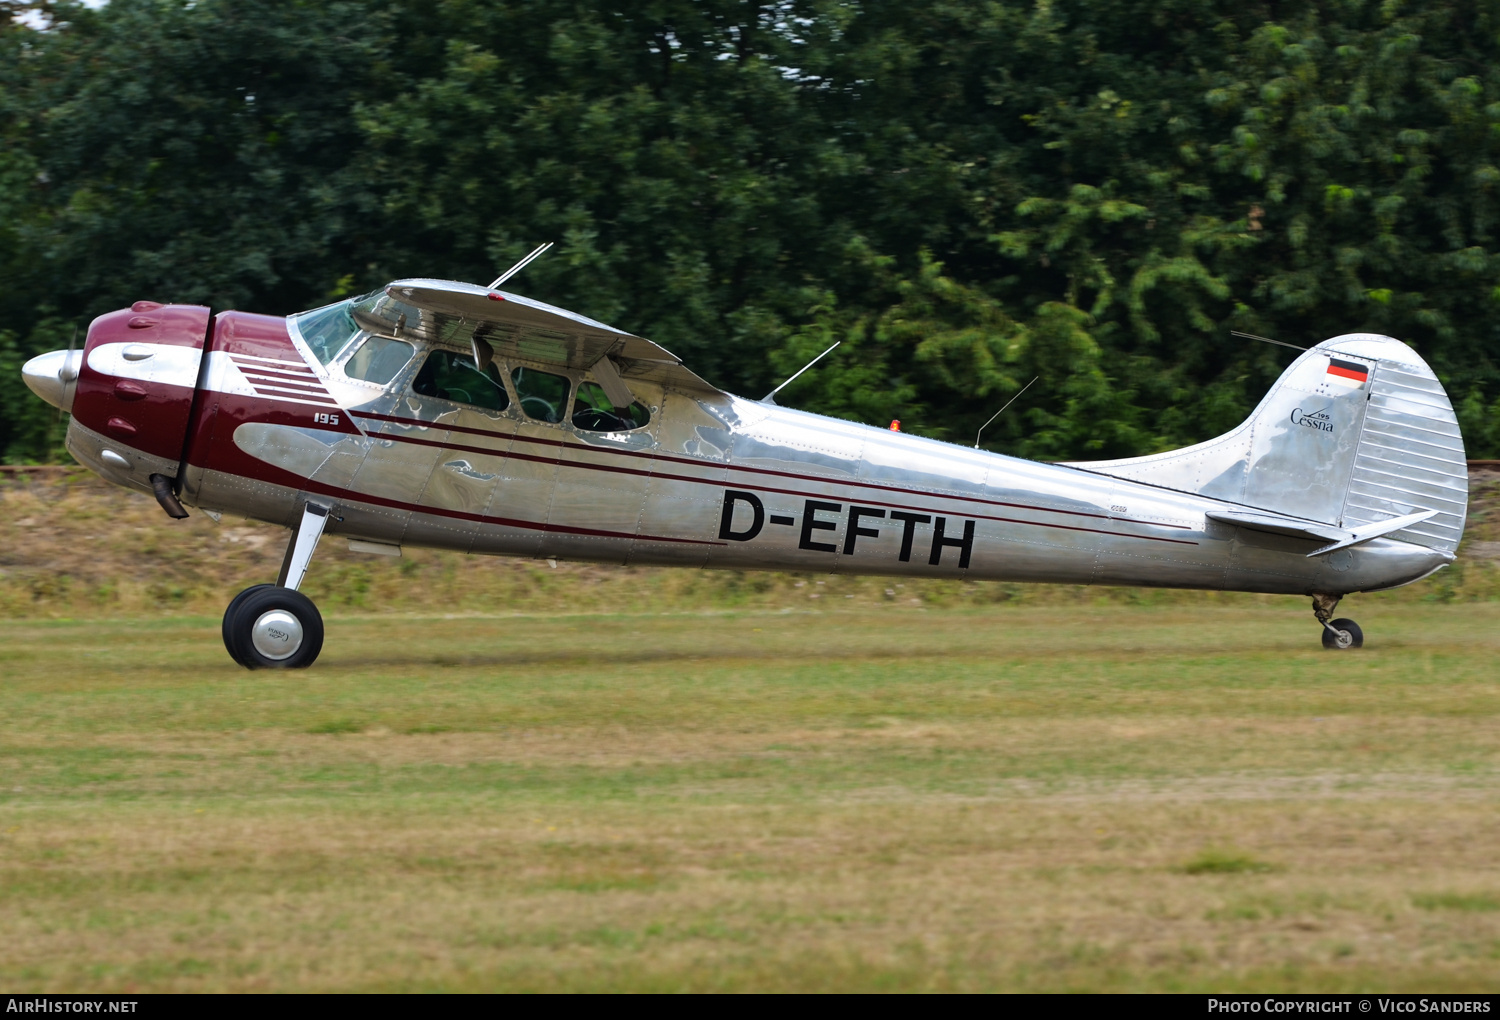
pixel 969 194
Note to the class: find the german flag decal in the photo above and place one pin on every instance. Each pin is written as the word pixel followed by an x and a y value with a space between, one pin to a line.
pixel 1350 374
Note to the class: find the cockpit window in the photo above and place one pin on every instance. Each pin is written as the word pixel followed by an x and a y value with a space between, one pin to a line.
pixel 593 412
pixel 381 313
pixel 543 396
pixel 326 330
pixel 378 360
pixel 449 375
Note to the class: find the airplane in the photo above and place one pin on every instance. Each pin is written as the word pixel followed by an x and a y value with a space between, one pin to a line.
pixel 447 415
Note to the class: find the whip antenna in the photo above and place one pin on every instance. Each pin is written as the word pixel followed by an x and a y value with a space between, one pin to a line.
pixel 769 397
pixel 998 413
pixel 1266 340
pixel 513 270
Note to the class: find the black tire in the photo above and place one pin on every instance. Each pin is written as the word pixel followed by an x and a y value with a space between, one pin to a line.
pixel 229 612
pixel 294 644
pixel 1356 636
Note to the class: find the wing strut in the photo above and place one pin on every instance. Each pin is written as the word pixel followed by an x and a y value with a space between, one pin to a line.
pixel 614 387
pixel 483 352
pixel 513 270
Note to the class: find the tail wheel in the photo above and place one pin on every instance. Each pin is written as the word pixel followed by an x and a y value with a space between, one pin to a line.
pixel 1344 635
pixel 270 627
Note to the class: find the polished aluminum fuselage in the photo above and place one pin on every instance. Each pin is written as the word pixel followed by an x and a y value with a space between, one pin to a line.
pixel 712 481
pixel 718 481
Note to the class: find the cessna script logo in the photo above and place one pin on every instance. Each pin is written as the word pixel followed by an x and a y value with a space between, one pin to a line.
pixel 820 516
pixel 1313 419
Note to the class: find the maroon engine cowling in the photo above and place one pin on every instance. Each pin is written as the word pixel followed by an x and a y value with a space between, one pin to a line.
pixel 129 396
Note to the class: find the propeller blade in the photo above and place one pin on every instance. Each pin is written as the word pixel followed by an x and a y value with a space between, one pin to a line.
pixel 67 373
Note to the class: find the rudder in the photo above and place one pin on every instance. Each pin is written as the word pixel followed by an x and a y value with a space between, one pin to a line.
pixel 1356 431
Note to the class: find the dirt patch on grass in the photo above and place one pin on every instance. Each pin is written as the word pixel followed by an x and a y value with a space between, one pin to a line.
pixel 71 545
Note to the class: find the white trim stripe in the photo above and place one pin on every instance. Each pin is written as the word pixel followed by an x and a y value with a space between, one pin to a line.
pixel 302 365
pixel 297 395
pixel 288 376
pixel 294 400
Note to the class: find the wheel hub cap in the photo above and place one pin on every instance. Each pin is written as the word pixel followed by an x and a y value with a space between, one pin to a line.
pixel 277 635
pixel 1343 638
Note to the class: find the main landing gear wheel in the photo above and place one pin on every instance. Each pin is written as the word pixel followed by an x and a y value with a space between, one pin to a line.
pixel 230 614
pixel 1344 634
pixel 273 626
pixel 270 627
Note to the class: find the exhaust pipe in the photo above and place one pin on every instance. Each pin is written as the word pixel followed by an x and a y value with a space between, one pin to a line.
pixel 162 486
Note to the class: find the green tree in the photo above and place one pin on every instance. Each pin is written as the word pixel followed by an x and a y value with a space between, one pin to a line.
pixel 970 194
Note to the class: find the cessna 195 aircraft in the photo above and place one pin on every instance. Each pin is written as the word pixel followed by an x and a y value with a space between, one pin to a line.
pixel 454 416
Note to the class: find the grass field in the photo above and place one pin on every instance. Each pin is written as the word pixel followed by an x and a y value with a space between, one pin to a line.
pixel 1092 796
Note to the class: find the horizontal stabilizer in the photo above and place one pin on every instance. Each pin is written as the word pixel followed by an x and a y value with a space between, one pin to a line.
pixel 1278 524
pixel 1338 538
pixel 1365 532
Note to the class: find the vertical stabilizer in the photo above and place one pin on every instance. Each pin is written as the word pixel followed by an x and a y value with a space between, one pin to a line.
pixel 1356 431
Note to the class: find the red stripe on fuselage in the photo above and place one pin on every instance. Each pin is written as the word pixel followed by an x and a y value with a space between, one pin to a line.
pixel 585 466
pixel 254 372
pixel 756 471
pixel 765 471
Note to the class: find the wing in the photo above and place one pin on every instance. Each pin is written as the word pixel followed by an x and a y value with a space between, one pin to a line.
pixel 464 315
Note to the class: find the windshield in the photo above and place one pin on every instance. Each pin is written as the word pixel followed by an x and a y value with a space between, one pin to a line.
pixel 326 330
pixel 329 329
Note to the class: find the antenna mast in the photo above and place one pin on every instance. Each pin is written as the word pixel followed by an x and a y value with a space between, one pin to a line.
pixel 998 413
pixel 1266 340
pixel 769 398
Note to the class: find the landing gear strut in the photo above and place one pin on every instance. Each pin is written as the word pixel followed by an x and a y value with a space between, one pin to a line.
pixel 274 626
pixel 1340 634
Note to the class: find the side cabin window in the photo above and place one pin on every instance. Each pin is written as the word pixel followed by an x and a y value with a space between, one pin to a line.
pixel 378 360
pixel 449 375
pixel 543 396
pixel 593 412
